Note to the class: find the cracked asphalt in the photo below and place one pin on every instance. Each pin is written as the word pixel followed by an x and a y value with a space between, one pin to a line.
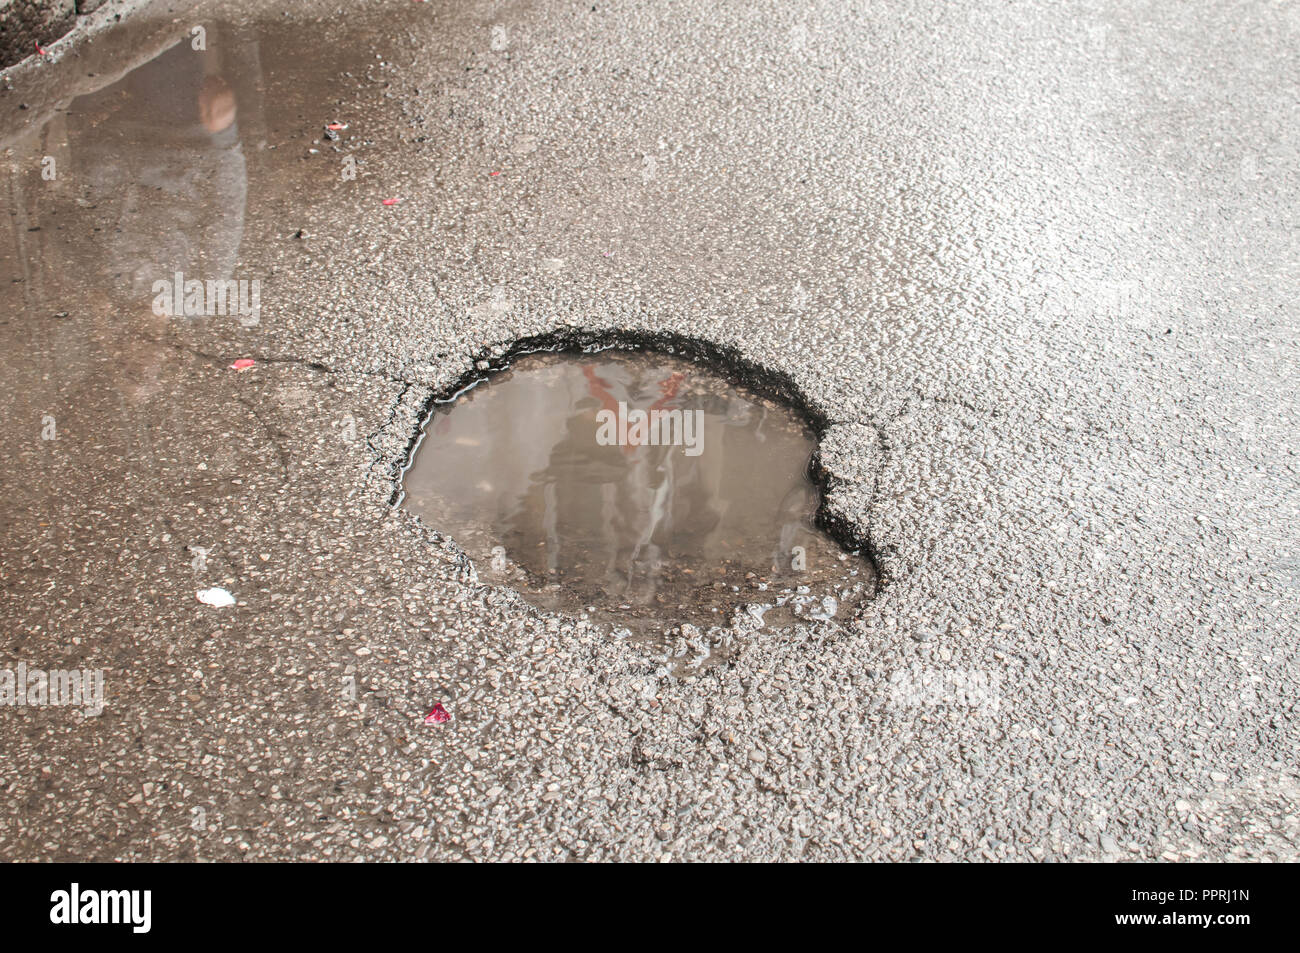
pixel 1032 266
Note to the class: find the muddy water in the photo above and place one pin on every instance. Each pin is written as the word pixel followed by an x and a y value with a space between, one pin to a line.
pixel 153 162
pixel 638 487
pixel 138 159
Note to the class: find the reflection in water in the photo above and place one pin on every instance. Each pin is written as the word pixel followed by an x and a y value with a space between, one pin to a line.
pixel 149 166
pixel 123 186
pixel 140 164
pixel 521 470
pixel 165 136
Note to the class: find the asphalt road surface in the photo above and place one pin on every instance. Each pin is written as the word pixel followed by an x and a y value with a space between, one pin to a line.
pixel 1032 264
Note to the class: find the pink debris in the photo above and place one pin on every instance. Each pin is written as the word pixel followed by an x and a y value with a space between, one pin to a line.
pixel 391 201
pixel 495 173
pixel 40 50
pixel 243 364
pixel 437 715
pixel 336 126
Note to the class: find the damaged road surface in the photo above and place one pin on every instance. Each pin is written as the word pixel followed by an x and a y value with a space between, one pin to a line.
pixel 637 486
pixel 1025 273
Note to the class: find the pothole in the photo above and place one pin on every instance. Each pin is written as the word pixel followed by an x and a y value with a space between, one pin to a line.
pixel 634 488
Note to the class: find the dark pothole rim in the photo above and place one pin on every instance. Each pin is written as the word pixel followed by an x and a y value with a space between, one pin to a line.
pixel 723 359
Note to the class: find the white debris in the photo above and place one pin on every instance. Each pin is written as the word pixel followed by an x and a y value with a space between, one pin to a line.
pixel 830 605
pixel 215 596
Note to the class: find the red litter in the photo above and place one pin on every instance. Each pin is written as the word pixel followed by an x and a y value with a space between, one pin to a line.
pixel 391 201
pixel 496 173
pixel 40 50
pixel 243 364
pixel 336 126
pixel 437 715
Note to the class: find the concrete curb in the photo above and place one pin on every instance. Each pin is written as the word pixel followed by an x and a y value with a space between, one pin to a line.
pixel 26 25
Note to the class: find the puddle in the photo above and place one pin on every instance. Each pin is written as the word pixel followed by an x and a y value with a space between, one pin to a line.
pixel 637 488
pixel 153 163
pixel 136 160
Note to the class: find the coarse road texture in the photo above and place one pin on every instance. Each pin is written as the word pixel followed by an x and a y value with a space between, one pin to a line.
pixel 1035 262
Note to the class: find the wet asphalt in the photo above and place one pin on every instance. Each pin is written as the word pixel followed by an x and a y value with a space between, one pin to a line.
pixel 1031 267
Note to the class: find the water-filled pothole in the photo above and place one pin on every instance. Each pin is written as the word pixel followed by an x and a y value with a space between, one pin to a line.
pixel 636 487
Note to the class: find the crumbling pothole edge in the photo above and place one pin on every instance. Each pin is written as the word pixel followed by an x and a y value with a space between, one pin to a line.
pixel 723 359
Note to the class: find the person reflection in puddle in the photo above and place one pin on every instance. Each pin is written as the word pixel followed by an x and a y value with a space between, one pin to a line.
pixel 160 152
pixel 609 515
